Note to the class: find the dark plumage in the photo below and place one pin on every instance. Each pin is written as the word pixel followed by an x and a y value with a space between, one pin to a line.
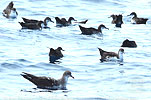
pixel 46 20
pixel 31 25
pixel 117 20
pixel 136 20
pixel 63 21
pixel 10 11
pixel 127 43
pixel 114 17
pixel 55 54
pixel 82 22
pixel 90 31
pixel 48 82
pixel 105 54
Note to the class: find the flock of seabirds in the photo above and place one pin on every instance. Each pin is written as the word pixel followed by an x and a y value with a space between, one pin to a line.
pixel 55 54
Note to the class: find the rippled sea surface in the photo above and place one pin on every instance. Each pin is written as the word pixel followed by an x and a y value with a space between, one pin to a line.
pixel 27 51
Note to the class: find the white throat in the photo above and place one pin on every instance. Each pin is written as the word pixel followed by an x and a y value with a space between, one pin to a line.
pixel 120 56
pixel 13 14
pixel 132 21
pixel 102 28
pixel 42 25
pixel 64 82
pixel 47 21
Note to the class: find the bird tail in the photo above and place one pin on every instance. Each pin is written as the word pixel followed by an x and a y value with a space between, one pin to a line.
pixel 29 77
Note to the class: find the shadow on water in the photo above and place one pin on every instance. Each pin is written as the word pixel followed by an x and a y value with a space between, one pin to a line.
pixel 37 90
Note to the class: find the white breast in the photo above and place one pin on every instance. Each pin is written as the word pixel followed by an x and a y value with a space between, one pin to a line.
pixel 13 14
pixel 121 56
pixel 133 21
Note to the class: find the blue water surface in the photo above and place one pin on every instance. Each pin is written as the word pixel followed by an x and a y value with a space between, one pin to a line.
pixel 27 51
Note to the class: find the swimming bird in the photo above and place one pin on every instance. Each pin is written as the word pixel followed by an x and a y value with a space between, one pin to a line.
pixel 49 82
pixel 128 43
pixel 82 22
pixel 31 25
pixel 55 54
pixel 63 22
pixel 136 20
pixel 105 55
pixel 114 17
pixel 117 20
pixel 9 11
pixel 45 22
pixel 91 30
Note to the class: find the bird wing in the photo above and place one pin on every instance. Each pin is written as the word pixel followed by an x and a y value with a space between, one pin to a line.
pixel 88 31
pixel 110 54
pixel 29 20
pixel 141 20
pixel 30 25
pixel 41 82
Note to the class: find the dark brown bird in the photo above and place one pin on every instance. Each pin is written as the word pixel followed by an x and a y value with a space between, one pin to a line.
pixel 136 20
pixel 46 20
pixel 128 43
pixel 48 82
pixel 31 25
pixel 114 18
pixel 82 22
pixel 9 11
pixel 63 21
pixel 117 20
pixel 105 54
pixel 55 54
pixel 91 30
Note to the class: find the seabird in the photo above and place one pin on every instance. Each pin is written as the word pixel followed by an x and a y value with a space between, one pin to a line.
pixel 105 55
pixel 48 82
pixel 136 20
pixel 91 30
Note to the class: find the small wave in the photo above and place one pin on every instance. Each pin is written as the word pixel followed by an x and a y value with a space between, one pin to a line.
pixel 10 66
pixel 23 60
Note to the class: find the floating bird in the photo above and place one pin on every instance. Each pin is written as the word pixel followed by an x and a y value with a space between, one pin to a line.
pixel 55 54
pixel 114 18
pixel 9 11
pixel 48 82
pixel 106 55
pixel 136 20
pixel 63 21
pixel 31 25
pixel 117 20
pixel 91 30
pixel 45 22
pixel 128 43
pixel 82 22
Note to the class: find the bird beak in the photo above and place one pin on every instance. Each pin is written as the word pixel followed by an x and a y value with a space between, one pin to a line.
pixel 52 21
pixel 71 76
pixel 106 28
pixel 63 50
pixel 75 20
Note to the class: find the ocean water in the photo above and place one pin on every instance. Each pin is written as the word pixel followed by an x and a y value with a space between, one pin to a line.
pixel 27 51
